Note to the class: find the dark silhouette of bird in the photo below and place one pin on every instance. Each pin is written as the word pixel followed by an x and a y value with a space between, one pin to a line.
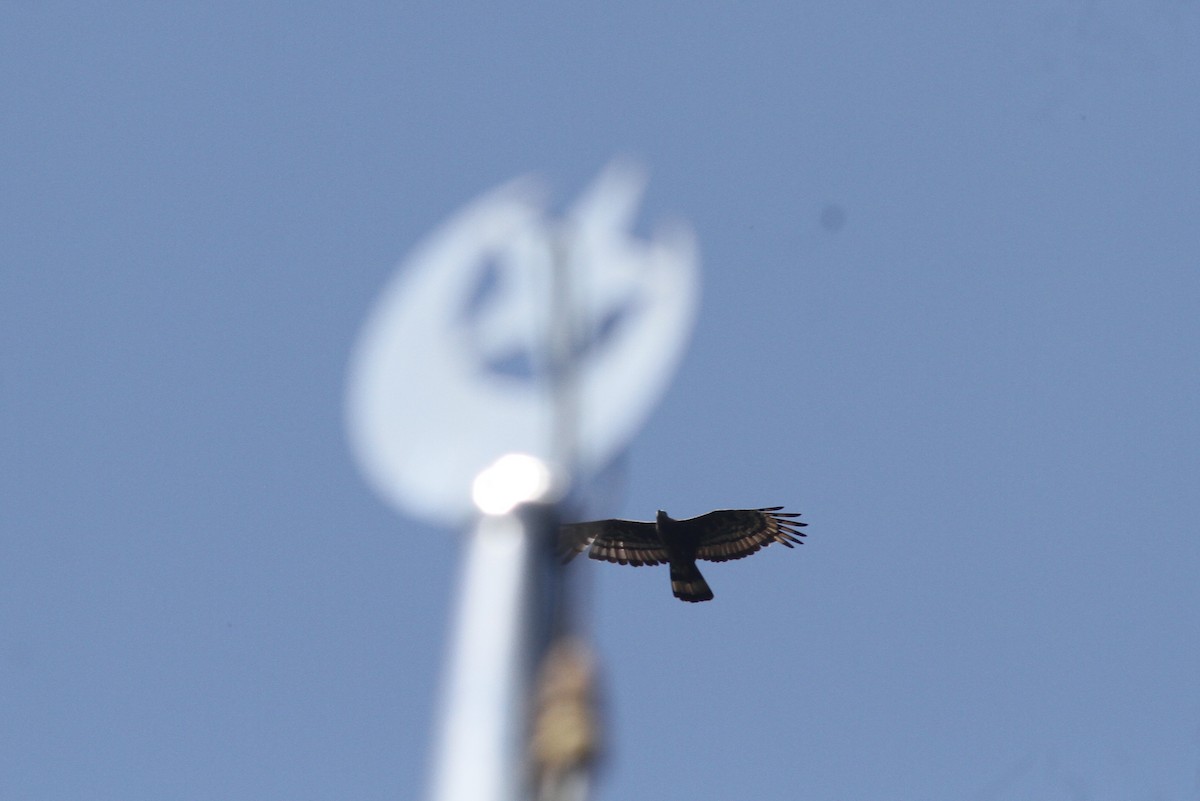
pixel 717 537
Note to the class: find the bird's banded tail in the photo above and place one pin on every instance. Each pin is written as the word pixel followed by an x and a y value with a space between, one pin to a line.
pixel 688 584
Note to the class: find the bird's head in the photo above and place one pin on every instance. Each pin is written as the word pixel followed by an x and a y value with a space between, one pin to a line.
pixel 662 516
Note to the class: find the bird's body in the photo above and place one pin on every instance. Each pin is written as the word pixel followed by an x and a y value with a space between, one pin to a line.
pixel 717 537
pixel 681 543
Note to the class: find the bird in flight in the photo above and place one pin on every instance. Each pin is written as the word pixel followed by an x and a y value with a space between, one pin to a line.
pixel 717 536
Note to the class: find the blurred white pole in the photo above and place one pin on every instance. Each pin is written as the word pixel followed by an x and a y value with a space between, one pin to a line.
pixel 500 631
pixel 479 753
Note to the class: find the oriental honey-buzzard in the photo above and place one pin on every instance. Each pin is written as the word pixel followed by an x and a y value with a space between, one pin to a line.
pixel 717 537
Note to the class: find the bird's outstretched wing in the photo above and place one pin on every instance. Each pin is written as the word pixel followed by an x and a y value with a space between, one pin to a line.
pixel 624 542
pixel 735 533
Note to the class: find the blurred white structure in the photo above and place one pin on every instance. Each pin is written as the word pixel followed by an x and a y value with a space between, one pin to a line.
pixel 509 360
pixel 480 747
pixel 432 399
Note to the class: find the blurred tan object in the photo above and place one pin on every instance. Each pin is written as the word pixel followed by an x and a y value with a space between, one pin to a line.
pixel 565 735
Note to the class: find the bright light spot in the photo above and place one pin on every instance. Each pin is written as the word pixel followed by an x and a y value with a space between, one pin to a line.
pixel 513 479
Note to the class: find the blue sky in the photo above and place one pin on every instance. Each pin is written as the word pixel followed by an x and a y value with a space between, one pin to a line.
pixel 980 389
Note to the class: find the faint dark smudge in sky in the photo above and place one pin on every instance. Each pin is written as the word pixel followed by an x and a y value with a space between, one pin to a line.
pixel 833 217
